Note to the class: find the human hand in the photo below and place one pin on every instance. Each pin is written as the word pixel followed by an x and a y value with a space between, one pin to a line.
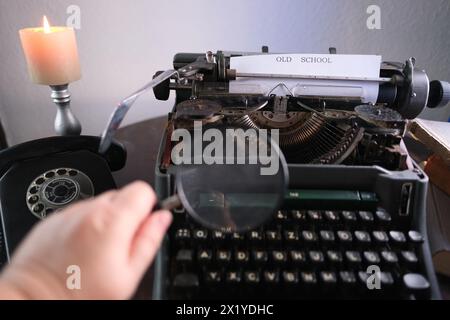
pixel 112 239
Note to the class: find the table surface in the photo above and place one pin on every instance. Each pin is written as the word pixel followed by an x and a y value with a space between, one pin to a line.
pixel 142 141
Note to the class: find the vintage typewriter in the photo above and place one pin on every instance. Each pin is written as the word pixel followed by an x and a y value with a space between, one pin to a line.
pixel 356 200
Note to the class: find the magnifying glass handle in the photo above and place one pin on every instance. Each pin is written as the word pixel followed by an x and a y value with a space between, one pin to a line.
pixel 170 203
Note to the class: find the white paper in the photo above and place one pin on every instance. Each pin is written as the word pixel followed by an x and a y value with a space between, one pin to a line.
pixel 333 65
pixel 342 66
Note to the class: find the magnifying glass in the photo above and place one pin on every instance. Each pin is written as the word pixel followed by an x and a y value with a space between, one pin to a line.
pixel 233 195
pixel 238 192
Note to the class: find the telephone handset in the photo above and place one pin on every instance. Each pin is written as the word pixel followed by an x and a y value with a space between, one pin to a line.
pixel 38 178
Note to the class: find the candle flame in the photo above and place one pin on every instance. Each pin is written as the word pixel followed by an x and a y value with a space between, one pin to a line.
pixel 47 28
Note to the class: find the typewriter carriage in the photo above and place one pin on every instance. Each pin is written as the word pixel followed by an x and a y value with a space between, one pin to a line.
pixel 337 132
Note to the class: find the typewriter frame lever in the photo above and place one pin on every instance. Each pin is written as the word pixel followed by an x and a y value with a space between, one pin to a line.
pixel 193 69
pixel 417 88
pixel 190 71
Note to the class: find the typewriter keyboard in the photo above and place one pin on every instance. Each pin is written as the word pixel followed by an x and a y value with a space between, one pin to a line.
pixel 301 253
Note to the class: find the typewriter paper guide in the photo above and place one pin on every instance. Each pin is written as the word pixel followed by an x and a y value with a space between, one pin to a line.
pixel 331 65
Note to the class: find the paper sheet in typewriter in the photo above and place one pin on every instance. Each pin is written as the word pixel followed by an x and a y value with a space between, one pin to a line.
pixel 299 73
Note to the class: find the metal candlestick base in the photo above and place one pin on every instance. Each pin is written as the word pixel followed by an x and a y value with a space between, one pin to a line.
pixel 66 124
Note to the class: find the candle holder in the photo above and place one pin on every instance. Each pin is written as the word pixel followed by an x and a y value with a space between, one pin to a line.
pixel 66 124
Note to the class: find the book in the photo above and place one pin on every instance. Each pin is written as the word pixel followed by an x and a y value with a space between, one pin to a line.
pixel 436 137
pixel 438 225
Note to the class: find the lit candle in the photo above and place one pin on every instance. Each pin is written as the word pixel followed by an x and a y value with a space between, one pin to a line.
pixel 51 54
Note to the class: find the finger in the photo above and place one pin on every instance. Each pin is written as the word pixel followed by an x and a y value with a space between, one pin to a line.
pixel 107 196
pixel 148 240
pixel 133 204
pixel 78 208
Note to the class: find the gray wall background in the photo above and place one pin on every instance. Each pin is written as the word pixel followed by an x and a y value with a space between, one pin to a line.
pixel 123 42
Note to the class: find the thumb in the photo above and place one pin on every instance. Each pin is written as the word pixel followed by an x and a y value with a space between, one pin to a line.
pixel 148 239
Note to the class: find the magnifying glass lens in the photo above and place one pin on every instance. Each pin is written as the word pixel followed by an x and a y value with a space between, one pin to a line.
pixel 230 198
pixel 232 191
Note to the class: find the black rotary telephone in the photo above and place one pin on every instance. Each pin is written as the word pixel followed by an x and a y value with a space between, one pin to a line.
pixel 40 177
